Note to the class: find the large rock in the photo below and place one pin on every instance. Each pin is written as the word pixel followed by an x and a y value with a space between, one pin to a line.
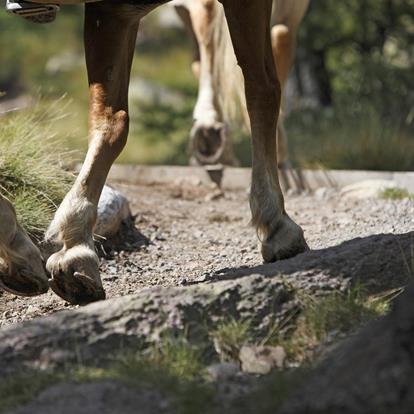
pixel 370 373
pixel 101 397
pixel 113 209
pixel 263 295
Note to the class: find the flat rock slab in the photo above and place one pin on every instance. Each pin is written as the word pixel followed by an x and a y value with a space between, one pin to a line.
pixel 101 397
pixel 264 295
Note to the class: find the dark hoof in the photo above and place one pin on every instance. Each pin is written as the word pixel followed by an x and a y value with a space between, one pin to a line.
pixel 211 145
pixel 77 289
pixel 287 241
pixel 271 255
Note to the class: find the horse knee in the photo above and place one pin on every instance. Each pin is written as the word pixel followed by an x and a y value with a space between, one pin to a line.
pixel 111 133
pixel 120 129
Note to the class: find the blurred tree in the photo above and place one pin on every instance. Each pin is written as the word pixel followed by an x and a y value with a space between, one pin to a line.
pixel 361 49
pixel 25 47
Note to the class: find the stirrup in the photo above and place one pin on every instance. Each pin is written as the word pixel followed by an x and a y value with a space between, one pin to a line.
pixel 35 12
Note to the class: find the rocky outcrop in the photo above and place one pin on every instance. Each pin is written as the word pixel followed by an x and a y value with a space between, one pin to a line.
pixel 262 295
pixel 370 373
pixel 100 397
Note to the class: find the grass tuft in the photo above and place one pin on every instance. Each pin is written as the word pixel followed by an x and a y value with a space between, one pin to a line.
pixel 31 166
pixel 327 319
pixel 229 337
pixel 395 194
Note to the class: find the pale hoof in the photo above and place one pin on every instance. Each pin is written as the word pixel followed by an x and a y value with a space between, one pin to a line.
pixel 286 241
pixel 75 275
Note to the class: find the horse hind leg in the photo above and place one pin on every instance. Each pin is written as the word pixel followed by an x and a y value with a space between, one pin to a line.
pixel 110 33
pixel 21 267
pixel 209 136
pixel 287 17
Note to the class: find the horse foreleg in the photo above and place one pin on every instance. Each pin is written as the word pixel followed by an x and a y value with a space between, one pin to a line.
pixel 21 267
pixel 249 24
pixel 110 33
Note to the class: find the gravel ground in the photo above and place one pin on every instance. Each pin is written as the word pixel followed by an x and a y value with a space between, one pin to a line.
pixel 195 233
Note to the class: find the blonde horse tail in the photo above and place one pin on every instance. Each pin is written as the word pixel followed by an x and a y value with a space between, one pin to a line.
pixel 227 76
pixel 228 82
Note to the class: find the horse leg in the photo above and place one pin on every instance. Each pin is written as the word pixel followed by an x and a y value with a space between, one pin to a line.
pixel 287 17
pixel 21 267
pixel 209 136
pixel 110 33
pixel 283 45
pixel 249 24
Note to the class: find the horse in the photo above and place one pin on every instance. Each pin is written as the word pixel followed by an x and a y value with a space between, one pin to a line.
pixel 221 83
pixel 110 30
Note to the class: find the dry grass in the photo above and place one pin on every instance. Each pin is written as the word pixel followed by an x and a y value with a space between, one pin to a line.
pixel 32 161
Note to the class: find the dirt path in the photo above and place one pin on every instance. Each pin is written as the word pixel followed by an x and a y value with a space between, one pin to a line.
pixel 193 237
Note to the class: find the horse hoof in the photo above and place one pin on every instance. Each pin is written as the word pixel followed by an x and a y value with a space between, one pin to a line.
pixel 287 241
pixel 22 282
pixel 210 144
pixel 75 275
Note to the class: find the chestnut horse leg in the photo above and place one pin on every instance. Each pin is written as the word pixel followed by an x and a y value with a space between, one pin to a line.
pixel 249 24
pixel 286 20
pixel 110 33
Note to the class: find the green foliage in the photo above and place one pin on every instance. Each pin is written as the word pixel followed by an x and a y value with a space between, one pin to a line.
pixel 367 48
pixel 360 54
pixel 159 134
pixel 175 356
pixel 31 161
pixel 341 138
pixel 26 47
pixel 395 194
pixel 175 368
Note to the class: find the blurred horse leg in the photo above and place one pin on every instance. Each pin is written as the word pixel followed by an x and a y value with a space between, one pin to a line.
pixel 286 19
pixel 21 267
pixel 110 34
pixel 210 142
pixel 249 24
